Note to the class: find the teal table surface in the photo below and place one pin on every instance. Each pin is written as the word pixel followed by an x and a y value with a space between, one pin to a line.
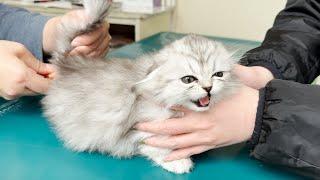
pixel 29 148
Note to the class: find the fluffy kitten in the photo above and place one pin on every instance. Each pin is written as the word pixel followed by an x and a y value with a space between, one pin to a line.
pixel 94 103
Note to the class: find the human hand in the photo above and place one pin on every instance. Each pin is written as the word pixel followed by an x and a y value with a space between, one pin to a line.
pixel 93 44
pixel 256 77
pixel 21 74
pixel 228 122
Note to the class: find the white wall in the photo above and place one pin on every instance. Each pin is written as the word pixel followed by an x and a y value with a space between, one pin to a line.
pixel 244 19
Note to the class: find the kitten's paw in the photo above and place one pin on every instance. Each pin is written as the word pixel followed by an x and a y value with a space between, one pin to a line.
pixel 179 166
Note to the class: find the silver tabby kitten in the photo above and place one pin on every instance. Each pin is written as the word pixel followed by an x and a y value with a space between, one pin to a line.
pixel 93 104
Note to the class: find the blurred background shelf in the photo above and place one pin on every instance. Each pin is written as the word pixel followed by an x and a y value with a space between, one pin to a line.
pixel 246 19
pixel 125 27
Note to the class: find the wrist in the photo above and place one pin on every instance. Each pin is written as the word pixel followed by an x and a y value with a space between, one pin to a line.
pixel 254 139
pixel 252 100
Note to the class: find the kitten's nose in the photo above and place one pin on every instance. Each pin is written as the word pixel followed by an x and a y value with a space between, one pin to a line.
pixel 208 89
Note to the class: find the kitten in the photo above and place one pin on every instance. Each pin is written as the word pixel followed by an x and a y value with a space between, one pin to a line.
pixel 93 104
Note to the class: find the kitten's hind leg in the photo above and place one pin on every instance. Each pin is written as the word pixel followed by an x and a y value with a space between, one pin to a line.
pixel 157 155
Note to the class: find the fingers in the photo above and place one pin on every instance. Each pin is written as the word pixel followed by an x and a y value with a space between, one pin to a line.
pixel 102 50
pixel 98 49
pixel 95 50
pixel 81 51
pixel 31 85
pixel 19 92
pixel 37 65
pixel 93 44
pixel 51 72
pixel 179 141
pixel 89 38
pixel 171 126
pixel 187 152
pixel 37 83
pixel 47 69
pixel 5 96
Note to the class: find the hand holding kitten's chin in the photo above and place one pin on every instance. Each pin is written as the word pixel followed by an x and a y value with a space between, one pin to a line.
pixel 229 122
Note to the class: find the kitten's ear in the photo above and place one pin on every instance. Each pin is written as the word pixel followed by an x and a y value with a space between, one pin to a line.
pixel 148 83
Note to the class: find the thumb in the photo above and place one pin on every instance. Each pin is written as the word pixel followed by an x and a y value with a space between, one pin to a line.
pixel 246 75
pixel 255 76
pixel 37 83
pixel 243 72
pixel 36 65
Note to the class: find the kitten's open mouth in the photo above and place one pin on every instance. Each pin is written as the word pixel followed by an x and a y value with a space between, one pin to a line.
pixel 202 102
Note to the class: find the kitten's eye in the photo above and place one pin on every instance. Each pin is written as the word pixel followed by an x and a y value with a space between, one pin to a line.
pixel 188 79
pixel 218 74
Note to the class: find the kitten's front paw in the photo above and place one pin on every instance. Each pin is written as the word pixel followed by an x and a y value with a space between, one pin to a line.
pixel 179 166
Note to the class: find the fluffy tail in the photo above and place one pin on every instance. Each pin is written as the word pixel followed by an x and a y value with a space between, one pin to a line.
pixel 94 13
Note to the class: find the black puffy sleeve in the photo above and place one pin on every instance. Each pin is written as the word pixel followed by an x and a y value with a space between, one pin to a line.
pixel 287 130
pixel 291 48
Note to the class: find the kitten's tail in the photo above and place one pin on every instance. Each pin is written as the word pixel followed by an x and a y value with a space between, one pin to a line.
pixel 95 12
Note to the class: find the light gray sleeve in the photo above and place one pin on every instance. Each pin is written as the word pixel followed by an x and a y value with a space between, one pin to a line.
pixel 22 26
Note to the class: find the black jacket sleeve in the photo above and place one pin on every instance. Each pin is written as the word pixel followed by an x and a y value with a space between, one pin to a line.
pixel 287 130
pixel 291 49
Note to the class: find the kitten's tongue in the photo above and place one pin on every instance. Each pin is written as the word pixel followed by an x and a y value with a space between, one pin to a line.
pixel 204 101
